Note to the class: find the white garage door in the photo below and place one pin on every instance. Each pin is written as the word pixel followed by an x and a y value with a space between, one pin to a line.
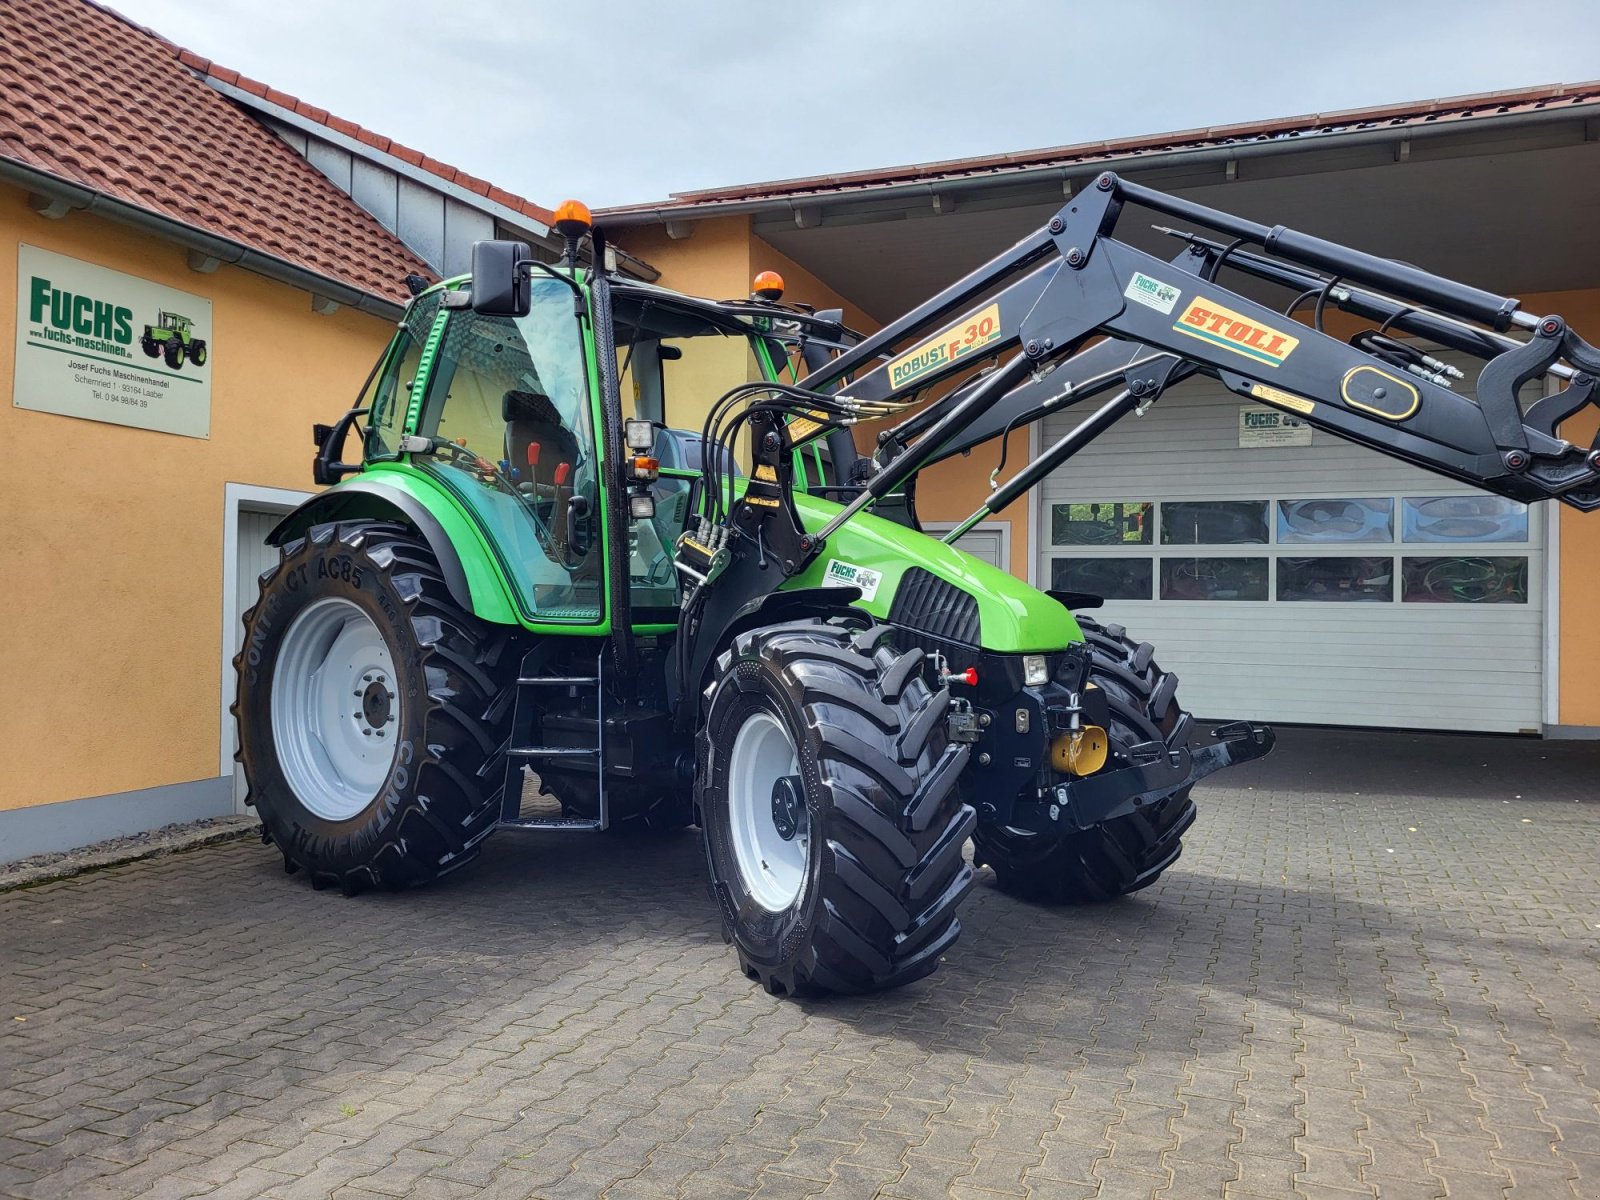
pixel 988 540
pixel 1320 583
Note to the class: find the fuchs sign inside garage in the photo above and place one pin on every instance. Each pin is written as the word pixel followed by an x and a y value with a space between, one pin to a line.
pixel 104 346
pixel 1260 426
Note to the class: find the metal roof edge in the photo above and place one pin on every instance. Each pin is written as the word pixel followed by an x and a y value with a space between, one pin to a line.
pixel 503 213
pixel 1268 138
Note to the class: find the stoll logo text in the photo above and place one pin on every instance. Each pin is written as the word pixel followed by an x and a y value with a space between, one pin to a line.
pixel 1210 322
pixel 80 321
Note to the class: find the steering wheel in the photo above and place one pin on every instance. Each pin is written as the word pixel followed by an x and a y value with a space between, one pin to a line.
pixel 489 474
pixel 474 463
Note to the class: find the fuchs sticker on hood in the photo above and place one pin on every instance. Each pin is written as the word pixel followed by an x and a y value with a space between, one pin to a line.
pixel 942 349
pixel 843 574
pixel 1211 322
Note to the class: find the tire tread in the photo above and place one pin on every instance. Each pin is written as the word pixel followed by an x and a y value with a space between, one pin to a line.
pixel 1131 852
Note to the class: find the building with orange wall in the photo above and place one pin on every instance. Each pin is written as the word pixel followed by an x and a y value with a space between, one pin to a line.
pixel 285 237
pixel 133 534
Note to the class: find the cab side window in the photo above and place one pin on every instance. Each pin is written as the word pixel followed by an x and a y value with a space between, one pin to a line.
pixel 389 395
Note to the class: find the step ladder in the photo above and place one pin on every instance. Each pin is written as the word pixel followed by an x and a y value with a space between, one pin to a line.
pixel 526 750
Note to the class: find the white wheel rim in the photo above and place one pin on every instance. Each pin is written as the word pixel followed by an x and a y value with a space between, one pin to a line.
pixel 773 868
pixel 335 709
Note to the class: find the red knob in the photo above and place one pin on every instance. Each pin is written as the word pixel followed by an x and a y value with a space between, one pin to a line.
pixel 968 677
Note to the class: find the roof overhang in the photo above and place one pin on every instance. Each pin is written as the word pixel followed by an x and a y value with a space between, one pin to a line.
pixel 1492 197
pixel 1063 169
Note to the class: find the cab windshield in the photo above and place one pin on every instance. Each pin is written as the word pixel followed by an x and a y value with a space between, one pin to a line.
pixel 508 402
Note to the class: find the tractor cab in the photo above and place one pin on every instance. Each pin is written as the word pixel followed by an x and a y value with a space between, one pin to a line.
pixel 493 392
pixel 500 411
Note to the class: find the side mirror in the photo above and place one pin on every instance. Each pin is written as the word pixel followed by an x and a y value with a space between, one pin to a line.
pixel 326 467
pixel 500 278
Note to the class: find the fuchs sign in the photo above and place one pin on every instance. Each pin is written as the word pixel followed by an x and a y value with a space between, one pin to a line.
pixel 104 346
pixel 1262 426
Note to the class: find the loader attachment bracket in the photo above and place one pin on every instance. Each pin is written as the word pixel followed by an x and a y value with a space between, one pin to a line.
pixel 1086 803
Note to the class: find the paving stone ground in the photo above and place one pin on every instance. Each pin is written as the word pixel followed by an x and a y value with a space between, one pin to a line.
pixel 1373 973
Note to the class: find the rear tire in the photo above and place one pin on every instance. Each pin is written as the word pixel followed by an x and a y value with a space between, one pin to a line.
pixel 826 731
pixel 1131 852
pixel 355 633
pixel 197 353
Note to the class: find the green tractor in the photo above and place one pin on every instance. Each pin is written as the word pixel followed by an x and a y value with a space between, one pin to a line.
pixel 172 338
pixel 525 607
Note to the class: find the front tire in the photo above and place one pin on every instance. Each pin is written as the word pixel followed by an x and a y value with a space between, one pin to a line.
pixel 1131 852
pixel 373 712
pixel 173 353
pixel 833 829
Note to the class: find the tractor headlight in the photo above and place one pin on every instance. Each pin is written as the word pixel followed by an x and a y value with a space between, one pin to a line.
pixel 1035 670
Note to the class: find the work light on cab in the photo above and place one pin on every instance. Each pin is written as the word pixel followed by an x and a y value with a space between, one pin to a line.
pixel 767 286
pixel 639 434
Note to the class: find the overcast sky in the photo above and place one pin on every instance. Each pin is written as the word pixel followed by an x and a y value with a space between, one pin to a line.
pixel 615 101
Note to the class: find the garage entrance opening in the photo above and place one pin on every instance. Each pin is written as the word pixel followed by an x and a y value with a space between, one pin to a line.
pixel 249 514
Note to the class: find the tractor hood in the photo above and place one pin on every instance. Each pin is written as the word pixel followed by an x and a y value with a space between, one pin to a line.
pixel 921 582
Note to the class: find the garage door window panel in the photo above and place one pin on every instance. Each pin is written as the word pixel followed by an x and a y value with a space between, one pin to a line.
pixel 1465 580
pixel 1102 523
pixel 1335 520
pixel 1112 577
pixel 1214 523
pixel 1337 580
pixel 1214 578
pixel 1478 518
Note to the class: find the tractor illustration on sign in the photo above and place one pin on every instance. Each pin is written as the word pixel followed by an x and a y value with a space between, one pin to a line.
pixel 172 338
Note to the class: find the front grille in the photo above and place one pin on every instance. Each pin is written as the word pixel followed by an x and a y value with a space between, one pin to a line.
pixel 926 603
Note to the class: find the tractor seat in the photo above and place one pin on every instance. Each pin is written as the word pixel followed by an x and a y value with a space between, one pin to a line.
pixel 537 443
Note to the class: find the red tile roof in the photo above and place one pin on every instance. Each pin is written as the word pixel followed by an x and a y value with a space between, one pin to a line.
pixel 1283 130
pixel 93 99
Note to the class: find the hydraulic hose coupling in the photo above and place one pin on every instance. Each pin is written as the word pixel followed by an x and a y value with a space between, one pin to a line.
pixel 946 677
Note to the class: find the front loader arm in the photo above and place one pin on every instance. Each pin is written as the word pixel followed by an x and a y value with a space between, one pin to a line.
pixel 1037 308
pixel 1074 281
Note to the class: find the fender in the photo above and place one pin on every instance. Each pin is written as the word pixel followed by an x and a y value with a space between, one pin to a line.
pixel 369 499
pixel 770 609
pixel 792 605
